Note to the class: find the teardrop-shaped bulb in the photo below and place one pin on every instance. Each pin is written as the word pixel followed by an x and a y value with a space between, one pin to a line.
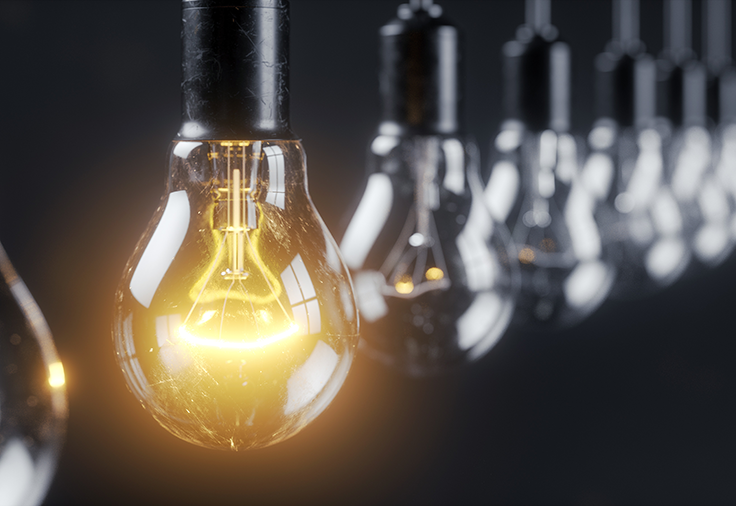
pixel 235 323
pixel 434 282
pixel 641 221
pixel 534 188
pixel 33 406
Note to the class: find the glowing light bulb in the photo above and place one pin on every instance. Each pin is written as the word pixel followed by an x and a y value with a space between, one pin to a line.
pixel 434 283
pixel 534 183
pixel 33 408
pixel 235 323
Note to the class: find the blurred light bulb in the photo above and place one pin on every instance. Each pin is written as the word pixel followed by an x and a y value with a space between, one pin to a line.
pixel 640 220
pixel 434 283
pixel 33 408
pixel 534 184
pixel 235 323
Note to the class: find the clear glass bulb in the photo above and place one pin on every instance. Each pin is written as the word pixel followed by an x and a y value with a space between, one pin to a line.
pixel 700 183
pixel 534 188
pixel 640 219
pixel 235 323
pixel 33 407
pixel 434 282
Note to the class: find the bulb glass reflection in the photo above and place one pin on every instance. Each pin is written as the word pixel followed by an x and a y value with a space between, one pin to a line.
pixel 640 219
pixel 700 183
pixel 434 282
pixel 235 323
pixel 33 408
pixel 534 188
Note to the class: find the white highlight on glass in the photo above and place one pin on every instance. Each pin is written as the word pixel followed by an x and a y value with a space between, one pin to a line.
pixel 368 221
pixel 310 378
pixel 162 248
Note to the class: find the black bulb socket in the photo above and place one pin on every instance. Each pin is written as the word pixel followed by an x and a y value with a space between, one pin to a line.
pixel 420 77
pixel 681 89
pixel 536 73
pixel 235 70
pixel 626 84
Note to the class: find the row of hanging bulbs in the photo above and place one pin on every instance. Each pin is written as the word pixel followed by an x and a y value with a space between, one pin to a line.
pixel 236 321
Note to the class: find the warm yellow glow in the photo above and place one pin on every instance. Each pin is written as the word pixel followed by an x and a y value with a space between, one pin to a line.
pixel 207 316
pixel 404 285
pixel 434 274
pixel 235 248
pixel 237 345
pixel 526 256
pixel 56 375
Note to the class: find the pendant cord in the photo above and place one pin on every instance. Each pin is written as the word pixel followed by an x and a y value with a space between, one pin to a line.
pixel 626 21
pixel 538 14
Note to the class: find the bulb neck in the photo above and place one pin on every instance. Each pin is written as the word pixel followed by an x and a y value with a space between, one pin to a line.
pixel 682 92
pixel 626 85
pixel 536 69
pixel 235 70
pixel 420 75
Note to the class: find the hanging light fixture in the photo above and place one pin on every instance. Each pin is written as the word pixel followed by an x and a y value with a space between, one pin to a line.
pixel 434 282
pixel 716 236
pixel 625 167
pixel 534 181
pixel 235 322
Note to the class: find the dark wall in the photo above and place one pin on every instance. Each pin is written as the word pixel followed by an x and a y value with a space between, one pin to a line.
pixel 635 405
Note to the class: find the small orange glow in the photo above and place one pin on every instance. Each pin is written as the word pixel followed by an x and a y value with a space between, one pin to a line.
pixel 548 245
pixel 434 274
pixel 526 256
pixel 404 285
pixel 237 345
pixel 56 375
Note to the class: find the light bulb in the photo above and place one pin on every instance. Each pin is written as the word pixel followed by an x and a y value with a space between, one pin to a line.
pixel 534 186
pixel 640 220
pixel 434 283
pixel 235 323
pixel 33 407
pixel 706 204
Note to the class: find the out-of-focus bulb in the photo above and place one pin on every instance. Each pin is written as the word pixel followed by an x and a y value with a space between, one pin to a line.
pixel 235 323
pixel 534 184
pixel 640 221
pixel 33 407
pixel 534 188
pixel 434 283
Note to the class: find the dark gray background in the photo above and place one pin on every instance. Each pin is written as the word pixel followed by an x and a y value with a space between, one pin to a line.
pixel 634 406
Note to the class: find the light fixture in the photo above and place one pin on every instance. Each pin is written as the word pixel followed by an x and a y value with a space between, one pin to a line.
pixel 33 407
pixel 434 281
pixel 639 218
pixel 534 182
pixel 703 201
pixel 235 323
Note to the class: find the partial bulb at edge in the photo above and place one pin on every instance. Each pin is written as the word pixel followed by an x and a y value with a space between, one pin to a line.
pixel 33 406
pixel 235 323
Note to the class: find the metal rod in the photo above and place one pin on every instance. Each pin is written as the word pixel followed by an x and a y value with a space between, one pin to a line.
pixel 677 26
pixel 538 13
pixel 626 20
pixel 716 33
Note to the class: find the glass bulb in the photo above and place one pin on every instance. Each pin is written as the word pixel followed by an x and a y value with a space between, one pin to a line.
pixel 640 219
pixel 700 183
pixel 534 188
pixel 235 323
pixel 33 408
pixel 434 283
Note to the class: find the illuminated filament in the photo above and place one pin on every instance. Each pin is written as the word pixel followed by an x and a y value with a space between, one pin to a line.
pixel 240 207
